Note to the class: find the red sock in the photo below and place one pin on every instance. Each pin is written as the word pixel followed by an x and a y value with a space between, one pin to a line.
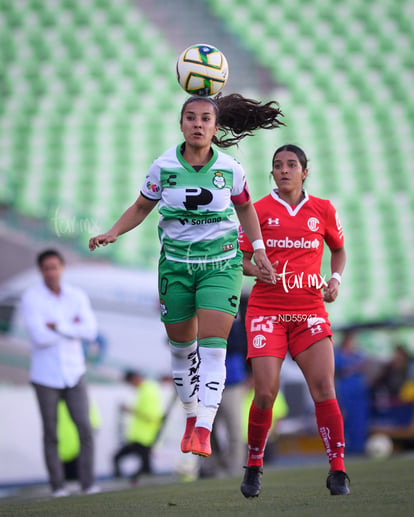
pixel 331 429
pixel 260 421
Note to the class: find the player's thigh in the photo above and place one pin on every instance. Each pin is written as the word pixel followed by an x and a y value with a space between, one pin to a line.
pixel 219 286
pixel 267 346
pixel 176 290
pixel 183 331
pixel 213 323
pixel 318 366
pixel 266 378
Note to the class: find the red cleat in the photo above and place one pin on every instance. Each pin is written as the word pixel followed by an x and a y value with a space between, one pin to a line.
pixel 200 444
pixel 188 434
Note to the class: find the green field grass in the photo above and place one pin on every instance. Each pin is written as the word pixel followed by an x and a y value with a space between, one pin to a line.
pixel 378 488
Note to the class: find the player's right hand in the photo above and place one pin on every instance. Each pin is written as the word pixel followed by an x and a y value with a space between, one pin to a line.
pixel 269 276
pixel 101 240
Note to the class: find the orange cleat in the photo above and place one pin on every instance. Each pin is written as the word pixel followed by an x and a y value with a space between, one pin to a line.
pixel 188 434
pixel 200 444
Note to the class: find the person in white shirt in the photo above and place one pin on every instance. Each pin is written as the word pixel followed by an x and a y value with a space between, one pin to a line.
pixel 58 317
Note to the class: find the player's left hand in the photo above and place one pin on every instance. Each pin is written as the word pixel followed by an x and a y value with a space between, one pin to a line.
pixel 331 291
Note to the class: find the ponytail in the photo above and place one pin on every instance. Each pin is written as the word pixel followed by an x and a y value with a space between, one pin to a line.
pixel 239 116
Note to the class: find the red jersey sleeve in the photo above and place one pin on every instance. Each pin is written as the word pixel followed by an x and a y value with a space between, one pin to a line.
pixel 244 243
pixel 334 236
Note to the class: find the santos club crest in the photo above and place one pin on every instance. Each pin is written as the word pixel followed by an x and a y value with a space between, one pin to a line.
pixel 219 180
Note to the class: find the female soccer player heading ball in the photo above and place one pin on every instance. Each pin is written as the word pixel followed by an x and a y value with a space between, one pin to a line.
pixel 291 316
pixel 200 267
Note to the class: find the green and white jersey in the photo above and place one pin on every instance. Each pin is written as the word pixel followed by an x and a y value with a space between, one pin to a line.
pixel 197 221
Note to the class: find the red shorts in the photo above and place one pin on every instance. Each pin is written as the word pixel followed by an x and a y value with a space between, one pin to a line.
pixel 276 335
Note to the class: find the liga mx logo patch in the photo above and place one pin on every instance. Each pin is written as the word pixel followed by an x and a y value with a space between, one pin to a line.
pixel 219 180
pixel 152 187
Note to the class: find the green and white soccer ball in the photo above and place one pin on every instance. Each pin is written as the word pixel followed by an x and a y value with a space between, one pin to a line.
pixel 202 70
pixel 379 446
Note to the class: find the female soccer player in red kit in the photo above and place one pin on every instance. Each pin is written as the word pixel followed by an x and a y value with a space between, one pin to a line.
pixel 290 315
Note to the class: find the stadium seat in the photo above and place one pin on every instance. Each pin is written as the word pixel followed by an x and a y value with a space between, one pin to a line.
pixel 87 105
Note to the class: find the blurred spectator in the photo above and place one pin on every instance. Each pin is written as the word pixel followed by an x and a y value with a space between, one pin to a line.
pixel 352 392
pixel 146 418
pixel 58 317
pixel 389 401
pixel 227 444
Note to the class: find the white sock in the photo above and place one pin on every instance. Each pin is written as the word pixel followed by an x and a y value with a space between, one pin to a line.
pixel 185 371
pixel 212 379
pixel 205 416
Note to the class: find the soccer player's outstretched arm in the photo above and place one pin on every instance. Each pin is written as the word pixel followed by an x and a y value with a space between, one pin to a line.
pixel 132 217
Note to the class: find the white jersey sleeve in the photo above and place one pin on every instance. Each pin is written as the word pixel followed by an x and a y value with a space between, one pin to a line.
pixel 151 188
pixel 239 179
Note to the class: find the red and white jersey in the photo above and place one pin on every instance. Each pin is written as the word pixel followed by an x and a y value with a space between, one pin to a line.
pixel 294 236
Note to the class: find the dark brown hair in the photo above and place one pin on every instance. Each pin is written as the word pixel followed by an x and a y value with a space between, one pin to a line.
pixel 48 253
pixel 300 154
pixel 239 116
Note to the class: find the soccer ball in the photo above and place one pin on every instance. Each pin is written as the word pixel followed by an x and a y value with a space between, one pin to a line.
pixel 202 70
pixel 379 446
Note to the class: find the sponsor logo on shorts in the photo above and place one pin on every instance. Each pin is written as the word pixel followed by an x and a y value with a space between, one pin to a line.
pixel 315 320
pixel 259 341
pixel 233 300
pixel 316 330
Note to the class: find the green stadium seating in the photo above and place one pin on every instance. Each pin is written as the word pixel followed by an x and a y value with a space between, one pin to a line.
pixel 347 70
pixel 89 99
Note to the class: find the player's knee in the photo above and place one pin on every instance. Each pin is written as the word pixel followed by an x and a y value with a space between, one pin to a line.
pixel 264 398
pixel 323 389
